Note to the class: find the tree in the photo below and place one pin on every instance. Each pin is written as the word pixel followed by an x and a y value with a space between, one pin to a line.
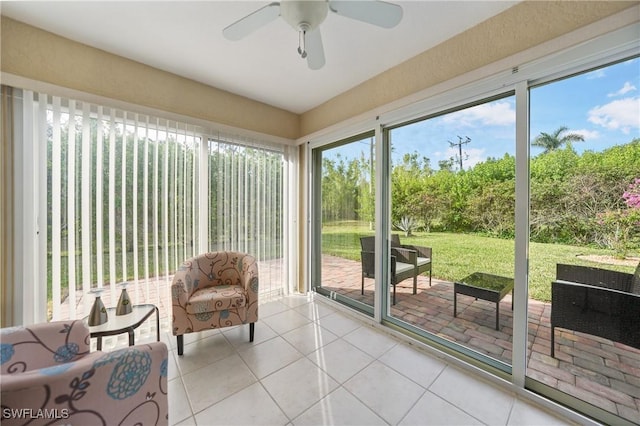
pixel 551 142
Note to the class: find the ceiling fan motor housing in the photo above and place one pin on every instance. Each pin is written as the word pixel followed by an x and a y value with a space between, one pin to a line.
pixel 304 15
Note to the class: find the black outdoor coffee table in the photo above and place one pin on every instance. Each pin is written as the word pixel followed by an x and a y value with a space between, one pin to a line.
pixel 492 288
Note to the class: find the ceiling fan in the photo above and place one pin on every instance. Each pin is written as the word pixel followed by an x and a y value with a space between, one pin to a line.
pixel 305 16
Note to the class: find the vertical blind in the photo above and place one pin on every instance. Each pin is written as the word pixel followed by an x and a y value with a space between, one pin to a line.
pixel 246 204
pixel 127 197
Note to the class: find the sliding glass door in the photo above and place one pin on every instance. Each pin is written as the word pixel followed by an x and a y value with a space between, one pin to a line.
pixel 585 228
pixel 453 209
pixel 343 203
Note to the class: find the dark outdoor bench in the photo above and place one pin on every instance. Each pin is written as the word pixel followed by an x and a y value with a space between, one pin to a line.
pixel 596 301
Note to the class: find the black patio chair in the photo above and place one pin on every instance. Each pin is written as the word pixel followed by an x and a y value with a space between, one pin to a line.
pixel 596 301
pixel 404 263
pixel 423 258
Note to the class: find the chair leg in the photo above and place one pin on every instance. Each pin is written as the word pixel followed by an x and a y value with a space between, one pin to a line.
pixel 180 338
pixel 394 294
pixel 251 331
pixel 553 347
pixel 362 286
pixel 415 284
pixel 429 277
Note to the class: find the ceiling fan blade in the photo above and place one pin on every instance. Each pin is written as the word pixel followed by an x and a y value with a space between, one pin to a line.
pixel 244 26
pixel 380 13
pixel 315 50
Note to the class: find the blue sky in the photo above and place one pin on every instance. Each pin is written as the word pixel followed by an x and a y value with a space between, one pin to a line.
pixel 603 106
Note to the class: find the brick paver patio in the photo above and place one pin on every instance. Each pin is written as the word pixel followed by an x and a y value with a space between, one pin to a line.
pixel 596 370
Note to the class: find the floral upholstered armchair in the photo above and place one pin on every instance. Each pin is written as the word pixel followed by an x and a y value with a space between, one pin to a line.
pixel 48 376
pixel 214 290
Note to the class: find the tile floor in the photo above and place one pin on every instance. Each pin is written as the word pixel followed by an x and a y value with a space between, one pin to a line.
pixel 313 364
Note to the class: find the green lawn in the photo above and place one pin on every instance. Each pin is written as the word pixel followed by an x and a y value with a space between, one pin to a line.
pixel 457 255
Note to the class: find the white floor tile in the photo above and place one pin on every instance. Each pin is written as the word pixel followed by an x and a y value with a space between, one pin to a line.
pixel 384 390
pixel 224 379
pixel 296 300
pixel 239 336
pixel 341 360
pixel 309 338
pixel 216 381
pixel 339 408
pixel 203 352
pixel 172 367
pixel 269 356
pixel 179 408
pixel 187 422
pixel 371 341
pixel 251 406
pixel 414 364
pixel 339 323
pixel 286 321
pixel 480 399
pixel 525 414
pixel 433 410
pixel 315 310
pixel 298 386
pixel 271 308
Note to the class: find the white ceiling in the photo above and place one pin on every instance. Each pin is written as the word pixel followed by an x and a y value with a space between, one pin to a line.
pixel 185 38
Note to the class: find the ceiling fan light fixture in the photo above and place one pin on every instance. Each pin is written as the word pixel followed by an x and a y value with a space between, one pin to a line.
pixel 298 13
pixel 305 16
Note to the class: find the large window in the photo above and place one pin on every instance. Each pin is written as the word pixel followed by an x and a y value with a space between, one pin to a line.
pixel 453 203
pixel 505 190
pixel 585 215
pixel 127 197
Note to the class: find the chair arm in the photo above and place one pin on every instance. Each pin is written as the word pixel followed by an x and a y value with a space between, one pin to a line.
pixel 127 386
pixel 43 345
pixel 249 273
pixel 182 284
pixel 422 251
pixel 405 255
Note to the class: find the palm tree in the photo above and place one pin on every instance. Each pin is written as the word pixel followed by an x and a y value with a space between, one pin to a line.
pixel 551 142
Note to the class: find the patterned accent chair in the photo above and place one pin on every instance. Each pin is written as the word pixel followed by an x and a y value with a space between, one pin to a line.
pixel 48 376
pixel 214 290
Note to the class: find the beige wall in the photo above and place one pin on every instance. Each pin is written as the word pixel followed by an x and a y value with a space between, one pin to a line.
pixel 36 54
pixel 521 27
pixel 39 55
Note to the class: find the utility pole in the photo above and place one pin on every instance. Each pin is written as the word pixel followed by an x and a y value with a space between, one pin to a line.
pixel 459 145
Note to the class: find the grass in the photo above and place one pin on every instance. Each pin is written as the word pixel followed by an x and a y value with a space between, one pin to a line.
pixel 457 255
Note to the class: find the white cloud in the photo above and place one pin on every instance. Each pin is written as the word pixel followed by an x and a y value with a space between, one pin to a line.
pixel 587 134
pixel 596 74
pixel 491 114
pixel 623 114
pixel 628 87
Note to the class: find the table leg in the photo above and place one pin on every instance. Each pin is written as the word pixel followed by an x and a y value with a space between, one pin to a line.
pixel 99 344
pixel 157 324
pixel 131 337
pixel 498 315
pixel 455 304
